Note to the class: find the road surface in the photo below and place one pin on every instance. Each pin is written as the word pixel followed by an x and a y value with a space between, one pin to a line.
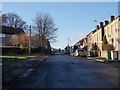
pixel 64 71
pixel 0 73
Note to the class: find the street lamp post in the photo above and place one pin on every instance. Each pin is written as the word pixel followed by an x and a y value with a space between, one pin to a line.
pixel 30 39
pixel 97 33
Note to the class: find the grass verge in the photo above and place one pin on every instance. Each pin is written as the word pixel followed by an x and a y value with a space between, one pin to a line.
pixel 14 57
pixel 8 61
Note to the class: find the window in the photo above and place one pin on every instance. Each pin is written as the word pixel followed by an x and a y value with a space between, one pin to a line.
pixel 2 35
pixel 112 41
pixel 108 32
pixel 13 36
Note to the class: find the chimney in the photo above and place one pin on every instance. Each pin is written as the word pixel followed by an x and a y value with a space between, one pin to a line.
pixel 106 22
pixel 101 24
pixel 112 18
pixel 97 27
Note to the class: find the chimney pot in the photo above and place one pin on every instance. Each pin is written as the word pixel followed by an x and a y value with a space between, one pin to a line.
pixel 112 18
pixel 101 24
pixel 106 22
pixel 97 27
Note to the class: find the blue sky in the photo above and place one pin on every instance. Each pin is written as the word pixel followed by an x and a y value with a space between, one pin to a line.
pixel 73 19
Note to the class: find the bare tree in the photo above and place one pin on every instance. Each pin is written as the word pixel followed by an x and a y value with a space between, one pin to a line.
pixel 45 28
pixel 0 20
pixel 21 39
pixel 13 20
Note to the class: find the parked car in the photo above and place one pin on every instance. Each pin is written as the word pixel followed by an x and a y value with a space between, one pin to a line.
pixel 82 53
pixel 72 53
pixel 76 53
pixel 66 52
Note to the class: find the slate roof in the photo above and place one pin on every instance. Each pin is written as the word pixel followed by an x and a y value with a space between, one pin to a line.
pixel 10 30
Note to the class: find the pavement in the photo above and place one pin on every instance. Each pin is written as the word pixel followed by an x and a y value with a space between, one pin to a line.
pixel 23 68
pixel 115 63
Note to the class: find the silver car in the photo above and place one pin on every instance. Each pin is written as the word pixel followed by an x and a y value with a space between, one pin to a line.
pixel 82 52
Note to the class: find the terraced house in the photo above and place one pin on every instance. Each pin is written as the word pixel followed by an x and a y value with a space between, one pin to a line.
pixel 112 32
pixel 89 40
pixel 96 37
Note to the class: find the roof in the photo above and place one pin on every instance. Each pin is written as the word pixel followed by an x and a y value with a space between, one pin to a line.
pixel 81 42
pixel 11 30
pixel 91 32
pixel 94 31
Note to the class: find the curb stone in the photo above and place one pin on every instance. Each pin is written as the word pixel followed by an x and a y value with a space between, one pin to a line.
pixel 104 61
pixel 108 62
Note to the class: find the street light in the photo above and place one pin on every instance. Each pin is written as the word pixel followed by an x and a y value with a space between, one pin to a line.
pixel 30 39
pixel 97 33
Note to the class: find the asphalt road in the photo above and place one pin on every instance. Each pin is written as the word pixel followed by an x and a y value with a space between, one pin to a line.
pixel 0 73
pixel 64 71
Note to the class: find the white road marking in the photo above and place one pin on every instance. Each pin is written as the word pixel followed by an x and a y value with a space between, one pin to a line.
pixel 27 73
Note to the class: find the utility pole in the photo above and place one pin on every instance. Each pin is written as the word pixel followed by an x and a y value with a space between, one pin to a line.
pixel 30 39
pixel 68 41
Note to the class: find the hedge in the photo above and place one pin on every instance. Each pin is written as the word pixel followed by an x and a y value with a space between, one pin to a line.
pixel 10 50
pixel 41 50
pixel 108 47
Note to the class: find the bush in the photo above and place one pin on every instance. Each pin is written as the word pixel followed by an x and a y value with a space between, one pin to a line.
pixel 94 46
pixel 47 51
pixel 41 50
pixel 10 50
pixel 108 47
pixel 104 42
pixel 38 49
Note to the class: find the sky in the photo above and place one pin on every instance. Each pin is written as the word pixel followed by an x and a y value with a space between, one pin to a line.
pixel 73 19
pixel 60 0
